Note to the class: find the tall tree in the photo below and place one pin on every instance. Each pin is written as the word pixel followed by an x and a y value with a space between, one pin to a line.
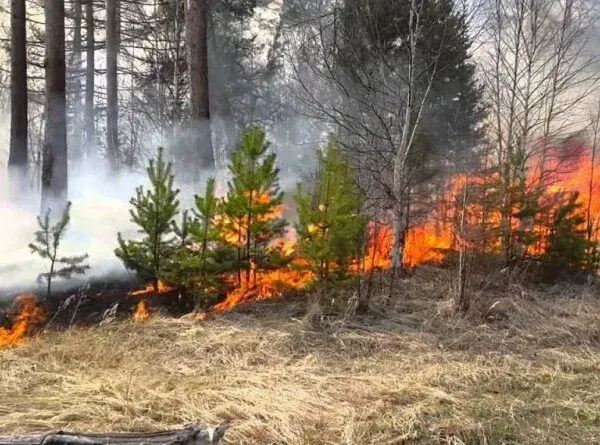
pixel 54 164
pixel 396 80
pixel 90 70
pixel 197 45
pixel 537 71
pixel 76 141
pixel 17 161
pixel 112 88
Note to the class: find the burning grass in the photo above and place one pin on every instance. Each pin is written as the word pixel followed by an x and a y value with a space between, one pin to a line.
pixel 26 314
pixel 416 374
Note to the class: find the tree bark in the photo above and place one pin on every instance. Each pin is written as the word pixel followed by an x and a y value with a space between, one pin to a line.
pixel 196 33
pixel 90 70
pixel 112 89
pixel 77 136
pixel 463 300
pixel 17 159
pixel 54 164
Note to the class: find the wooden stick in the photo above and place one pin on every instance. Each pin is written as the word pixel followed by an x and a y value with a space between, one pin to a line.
pixel 193 434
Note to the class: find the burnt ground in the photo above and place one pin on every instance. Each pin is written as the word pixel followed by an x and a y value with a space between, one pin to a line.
pixel 87 304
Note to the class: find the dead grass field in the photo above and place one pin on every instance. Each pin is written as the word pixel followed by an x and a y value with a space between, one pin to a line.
pixel 414 375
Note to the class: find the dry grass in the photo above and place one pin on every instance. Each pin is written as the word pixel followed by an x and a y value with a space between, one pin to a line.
pixel 423 377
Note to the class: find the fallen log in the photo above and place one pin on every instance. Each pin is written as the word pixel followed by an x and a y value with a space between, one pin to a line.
pixel 194 434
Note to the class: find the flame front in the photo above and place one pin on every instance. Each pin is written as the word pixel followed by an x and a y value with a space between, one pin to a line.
pixel 265 285
pixel 141 313
pixel 432 239
pixel 28 316
pixel 149 289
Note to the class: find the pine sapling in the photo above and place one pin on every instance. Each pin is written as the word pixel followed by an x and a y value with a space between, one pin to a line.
pixel 253 199
pixel 46 245
pixel 330 225
pixel 153 211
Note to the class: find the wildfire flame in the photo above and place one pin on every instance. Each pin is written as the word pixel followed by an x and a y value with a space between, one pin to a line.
pixel 431 240
pixel 142 313
pixel 149 289
pixel 28 316
pixel 266 285
pixel 378 255
pixel 234 230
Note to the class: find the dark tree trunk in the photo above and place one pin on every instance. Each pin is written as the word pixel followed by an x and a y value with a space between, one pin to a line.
pixel 196 29
pixel 54 164
pixel 76 144
pixel 90 132
pixel 17 160
pixel 112 89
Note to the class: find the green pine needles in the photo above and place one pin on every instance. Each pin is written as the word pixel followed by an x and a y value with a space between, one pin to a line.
pixel 153 211
pixel 330 226
pixel 250 223
pixel 198 250
pixel 46 245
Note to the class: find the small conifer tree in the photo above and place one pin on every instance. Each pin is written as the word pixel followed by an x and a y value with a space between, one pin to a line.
pixel 204 231
pixel 251 221
pixel 195 261
pixel 330 225
pixel 46 245
pixel 153 211
pixel 568 246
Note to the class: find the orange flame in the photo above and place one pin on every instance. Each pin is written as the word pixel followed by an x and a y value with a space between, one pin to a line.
pixel 142 313
pixel 379 248
pixel 28 316
pixel 266 285
pixel 427 244
pixel 149 289
pixel 431 240
pixel 234 230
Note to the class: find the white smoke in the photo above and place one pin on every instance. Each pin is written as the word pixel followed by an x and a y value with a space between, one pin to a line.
pixel 100 209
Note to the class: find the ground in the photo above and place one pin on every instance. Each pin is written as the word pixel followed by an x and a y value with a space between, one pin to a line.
pixel 294 373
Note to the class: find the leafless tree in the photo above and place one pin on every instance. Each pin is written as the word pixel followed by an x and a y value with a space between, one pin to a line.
pixel 90 72
pixel 75 72
pixel 537 72
pixel 377 106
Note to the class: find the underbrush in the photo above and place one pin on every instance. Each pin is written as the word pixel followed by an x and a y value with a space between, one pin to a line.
pixel 520 368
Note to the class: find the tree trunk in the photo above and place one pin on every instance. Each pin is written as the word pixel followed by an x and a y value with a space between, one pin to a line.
pixel 196 33
pixel 76 144
pixel 399 217
pixel 463 301
pixel 17 159
pixel 90 131
pixel 54 164
pixel 112 89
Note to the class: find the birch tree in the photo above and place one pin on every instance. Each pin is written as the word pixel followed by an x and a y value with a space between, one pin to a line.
pixel 395 80
pixel 537 72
